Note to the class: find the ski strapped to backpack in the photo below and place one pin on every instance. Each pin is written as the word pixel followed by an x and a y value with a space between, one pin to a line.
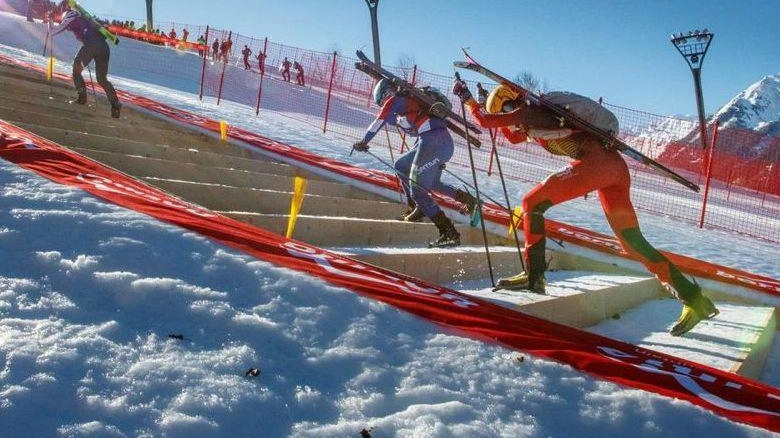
pixel 600 130
pixel 436 102
pixel 102 29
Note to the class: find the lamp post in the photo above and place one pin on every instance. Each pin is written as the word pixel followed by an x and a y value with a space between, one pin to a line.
pixel 149 18
pixel 372 7
pixel 693 47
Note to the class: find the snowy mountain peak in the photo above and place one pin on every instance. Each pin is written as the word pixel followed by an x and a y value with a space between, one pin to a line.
pixel 756 108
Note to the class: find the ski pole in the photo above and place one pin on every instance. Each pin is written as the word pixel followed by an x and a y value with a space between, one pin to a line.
pixel 94 93
pixel 45 43
pixel 512 215
pixel 476 189
pixel 390 148
pixel 506 196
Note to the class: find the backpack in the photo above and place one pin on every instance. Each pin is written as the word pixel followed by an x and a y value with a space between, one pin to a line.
pixel 440 101
pixel 586 109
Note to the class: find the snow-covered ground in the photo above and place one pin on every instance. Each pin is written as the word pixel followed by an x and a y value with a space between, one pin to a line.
pixel 113 324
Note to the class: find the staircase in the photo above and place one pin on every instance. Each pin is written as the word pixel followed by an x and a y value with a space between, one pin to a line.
pixel 252 188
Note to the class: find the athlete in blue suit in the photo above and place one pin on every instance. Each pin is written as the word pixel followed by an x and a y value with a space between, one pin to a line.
pixel 419 169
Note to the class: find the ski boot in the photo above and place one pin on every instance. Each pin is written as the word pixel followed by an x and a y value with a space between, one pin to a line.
pixel 416 215
pixel 412 213
pixel 521 282
pixel 471 206
pixel 82 98
pixel 115 109
pixel 693 312
pixel 448 235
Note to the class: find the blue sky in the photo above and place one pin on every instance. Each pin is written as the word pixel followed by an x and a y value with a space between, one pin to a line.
pixel 618 50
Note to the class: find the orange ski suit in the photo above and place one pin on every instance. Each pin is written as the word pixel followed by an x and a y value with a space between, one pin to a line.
pixel 594 167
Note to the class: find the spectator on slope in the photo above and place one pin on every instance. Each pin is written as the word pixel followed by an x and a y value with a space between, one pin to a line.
pixel 246 52
pixel 94 46
pixel 261 62
pixel 185 34
pixel 215 50
pixel 172 38
pixel 201 43
pixel 299 77
pixel 594 166
pixel 420 168
pixel 285 68
pixel 225 49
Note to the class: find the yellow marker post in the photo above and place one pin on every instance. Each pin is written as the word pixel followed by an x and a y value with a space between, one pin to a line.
pixel 50 69
pixel 516 220
pixel 295 206
pixel 223 130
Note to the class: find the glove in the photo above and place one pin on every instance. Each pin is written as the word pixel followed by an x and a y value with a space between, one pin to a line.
pixel 360 146
pixel 460 89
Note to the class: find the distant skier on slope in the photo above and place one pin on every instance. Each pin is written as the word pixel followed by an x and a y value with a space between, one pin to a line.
pixel 261 62
pixel 285 68
pixel 215 50
pixel 94 46
pixel 246 52
pixel 594 167
pixel 299 75
pixel 420 168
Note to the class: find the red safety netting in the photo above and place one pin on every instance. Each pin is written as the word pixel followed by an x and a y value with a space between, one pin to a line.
pixel 743 194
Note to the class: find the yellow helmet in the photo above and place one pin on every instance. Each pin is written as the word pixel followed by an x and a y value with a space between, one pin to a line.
pixel 501 100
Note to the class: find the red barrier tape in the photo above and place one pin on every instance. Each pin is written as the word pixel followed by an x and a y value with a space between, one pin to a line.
pixel 729 395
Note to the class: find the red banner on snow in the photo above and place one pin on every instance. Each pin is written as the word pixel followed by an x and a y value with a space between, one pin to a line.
pixel 730 395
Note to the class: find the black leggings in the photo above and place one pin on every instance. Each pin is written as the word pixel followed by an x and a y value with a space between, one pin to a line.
pixel 99 51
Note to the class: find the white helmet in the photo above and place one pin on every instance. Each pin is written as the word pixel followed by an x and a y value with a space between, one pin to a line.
pixel 381 90
pixel 70 15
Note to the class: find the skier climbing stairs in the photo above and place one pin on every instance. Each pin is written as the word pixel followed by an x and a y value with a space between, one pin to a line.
pixel 247 186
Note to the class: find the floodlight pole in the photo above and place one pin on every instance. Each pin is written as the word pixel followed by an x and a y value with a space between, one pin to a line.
pixel 693 47
pixel 372 7
pixel 149 18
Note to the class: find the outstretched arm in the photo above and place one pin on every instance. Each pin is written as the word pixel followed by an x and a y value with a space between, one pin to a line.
pixel 389 108
pixel 63 26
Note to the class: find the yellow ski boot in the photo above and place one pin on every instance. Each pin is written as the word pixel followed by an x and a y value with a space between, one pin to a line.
pixel 520 282
pixel 692 313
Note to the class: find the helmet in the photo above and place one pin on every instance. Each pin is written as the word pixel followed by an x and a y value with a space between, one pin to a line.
pixel 501 100
pixel 69 15
pixel 381 90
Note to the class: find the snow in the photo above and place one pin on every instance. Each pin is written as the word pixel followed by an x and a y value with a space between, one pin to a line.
pixel 756 106
pixel 113 324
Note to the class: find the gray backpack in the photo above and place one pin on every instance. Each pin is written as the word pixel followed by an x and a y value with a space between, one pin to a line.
pixel 586 109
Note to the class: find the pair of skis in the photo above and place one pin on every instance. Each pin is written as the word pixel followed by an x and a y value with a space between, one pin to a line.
pixel 455 122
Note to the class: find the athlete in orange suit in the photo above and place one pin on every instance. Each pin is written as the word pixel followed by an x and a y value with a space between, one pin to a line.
pixel 593 167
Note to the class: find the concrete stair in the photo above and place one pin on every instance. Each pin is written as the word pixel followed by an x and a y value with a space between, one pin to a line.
pixel 249 187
